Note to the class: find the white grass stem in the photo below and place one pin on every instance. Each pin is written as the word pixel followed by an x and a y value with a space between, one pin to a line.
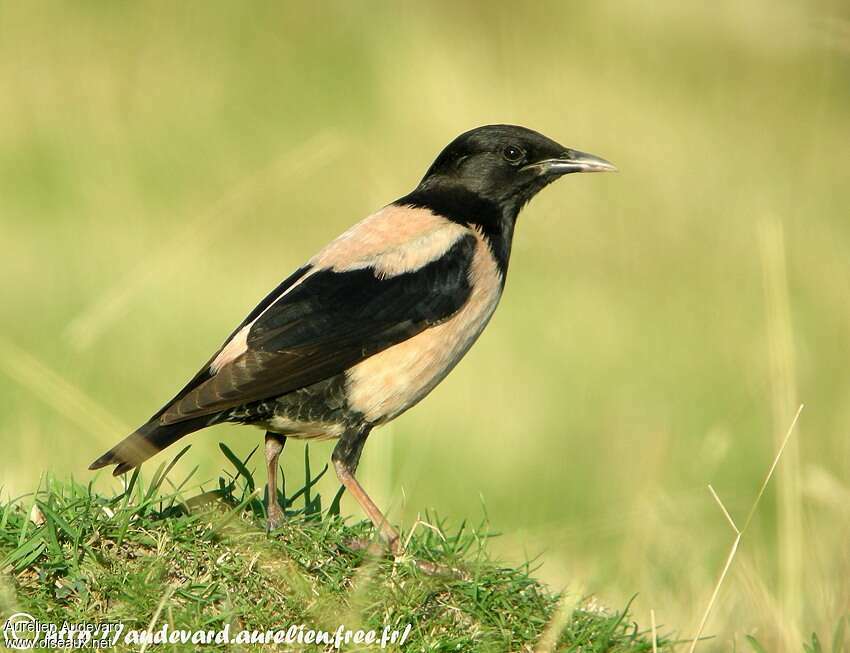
pixel 566 607
pixel 165 598
pixel 740 533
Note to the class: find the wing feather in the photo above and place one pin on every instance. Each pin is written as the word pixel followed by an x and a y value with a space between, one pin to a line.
pixel 328 322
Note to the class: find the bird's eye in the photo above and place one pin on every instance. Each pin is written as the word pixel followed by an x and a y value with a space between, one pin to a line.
pixel 513 154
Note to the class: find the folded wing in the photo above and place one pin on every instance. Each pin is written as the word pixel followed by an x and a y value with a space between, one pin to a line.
pixel 324 324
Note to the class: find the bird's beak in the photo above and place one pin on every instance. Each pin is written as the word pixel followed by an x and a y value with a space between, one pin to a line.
pixel 572 161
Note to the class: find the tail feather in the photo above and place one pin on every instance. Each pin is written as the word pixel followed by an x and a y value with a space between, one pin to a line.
pixel 149 439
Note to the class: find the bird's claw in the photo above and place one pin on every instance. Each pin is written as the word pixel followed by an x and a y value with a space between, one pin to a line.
pixel 379 548
pixel 370 546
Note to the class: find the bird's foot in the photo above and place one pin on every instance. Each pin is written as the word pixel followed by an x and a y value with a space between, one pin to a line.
pixel 379 548
pixel 431 568
pixel 275 517
pixel 372 547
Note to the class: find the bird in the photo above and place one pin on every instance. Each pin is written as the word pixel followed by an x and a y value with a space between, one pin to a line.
pixel 375 320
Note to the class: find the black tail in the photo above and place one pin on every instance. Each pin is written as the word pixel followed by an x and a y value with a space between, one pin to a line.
pixel 149 439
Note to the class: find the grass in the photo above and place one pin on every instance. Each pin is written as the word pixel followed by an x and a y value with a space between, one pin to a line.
pixel 162 165
pixel 199 559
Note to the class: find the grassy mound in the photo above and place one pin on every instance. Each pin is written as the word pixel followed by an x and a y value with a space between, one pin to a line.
pixel 201 560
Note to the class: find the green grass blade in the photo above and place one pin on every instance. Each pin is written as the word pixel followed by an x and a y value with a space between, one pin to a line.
pixel 838 639
pixel 23 550
pixel 241 469
pixel 307 484
pixel 55 518
pixel 333 509
pixel 161 475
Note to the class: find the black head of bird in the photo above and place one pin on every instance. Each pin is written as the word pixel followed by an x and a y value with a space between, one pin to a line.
pixel 486 175
pixel 374 321
pixel 506 165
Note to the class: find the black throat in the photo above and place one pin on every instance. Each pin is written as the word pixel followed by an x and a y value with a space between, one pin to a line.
pixel 465 207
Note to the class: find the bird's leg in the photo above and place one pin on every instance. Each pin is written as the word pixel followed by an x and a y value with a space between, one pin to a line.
pixel 345 457
pixel 274 445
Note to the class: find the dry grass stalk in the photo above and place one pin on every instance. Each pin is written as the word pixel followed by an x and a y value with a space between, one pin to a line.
pixel 739 533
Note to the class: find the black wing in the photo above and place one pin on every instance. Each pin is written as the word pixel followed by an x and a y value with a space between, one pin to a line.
pixel 327 323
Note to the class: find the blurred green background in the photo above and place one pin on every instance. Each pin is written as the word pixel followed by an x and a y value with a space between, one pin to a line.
pixel 163 165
